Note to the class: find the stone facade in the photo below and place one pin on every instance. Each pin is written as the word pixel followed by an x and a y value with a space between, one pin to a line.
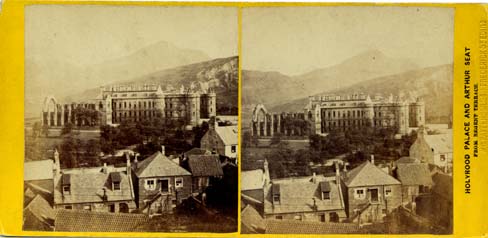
pixel 135 103
pixel 162 200
pixel 329 113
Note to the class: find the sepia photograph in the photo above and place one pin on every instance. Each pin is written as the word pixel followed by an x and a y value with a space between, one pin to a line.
pixel 347 120
pixel 131 119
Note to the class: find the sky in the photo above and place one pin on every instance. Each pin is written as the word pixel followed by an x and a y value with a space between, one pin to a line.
pixel 294 40
pixel 85 34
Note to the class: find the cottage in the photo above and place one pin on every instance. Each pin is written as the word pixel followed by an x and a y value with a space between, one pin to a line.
pixel 221 139
pixel 160 184
pixel 370 193
pixel 103 189
pixel 415 179
pixel 434 149
pixel 204 169
pixel 311 198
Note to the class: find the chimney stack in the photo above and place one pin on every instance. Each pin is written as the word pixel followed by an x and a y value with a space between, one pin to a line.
pixel 128 164
pixel 337 170
pixel 345 166
pixel 372 159
pixel 314 178
pixel 267 178
pixel 162 150
pixel 57 165
pixel 105 168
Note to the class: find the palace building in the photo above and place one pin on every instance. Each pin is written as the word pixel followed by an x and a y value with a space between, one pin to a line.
pixel 133 103
pixel 329 113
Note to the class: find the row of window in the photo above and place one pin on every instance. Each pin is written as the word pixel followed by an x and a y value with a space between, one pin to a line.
pixel 344 114
pixel 163 184
pixel 374 196
pixel 130 104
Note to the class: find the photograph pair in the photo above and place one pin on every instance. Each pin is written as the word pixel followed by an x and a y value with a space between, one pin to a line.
pixel 221 119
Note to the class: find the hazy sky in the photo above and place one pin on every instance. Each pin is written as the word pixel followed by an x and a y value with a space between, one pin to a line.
pixel 296 40
pixel 92 34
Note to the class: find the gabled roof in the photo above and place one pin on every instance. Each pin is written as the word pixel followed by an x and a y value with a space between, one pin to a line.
pixel 228 134
pixel 90 221
pixel 38 170
pixel 252 179
pixel 205 165
pixel 88 185
pixel 252 222
pixel 309 227
pixel 441 143
pixel 297 195
pixel 414 174
pixel 38 215
pixel 368 174
pixel 158 165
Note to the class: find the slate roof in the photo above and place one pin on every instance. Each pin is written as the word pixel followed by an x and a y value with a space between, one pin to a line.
pixel 38 170
pixel 228 134
pixel 252 179
pixel 252 222
pixel 442 185
pixel 297 194
pixel 309 227
pixel 407 159
pixel 441 143
pixel 368 174
pixel 205 165
pixel 38 214
pixel 87 186
pixel 414 174
pixel 158 165
pixel 85 221
pixel 198 151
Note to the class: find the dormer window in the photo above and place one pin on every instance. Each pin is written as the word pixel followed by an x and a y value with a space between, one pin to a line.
pixel 115 179
pixel 325 190
pixel 275 189
pixel 66 184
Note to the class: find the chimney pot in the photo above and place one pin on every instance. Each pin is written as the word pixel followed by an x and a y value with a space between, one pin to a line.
pixel 314 177
pixel 372 159
pixel 162 150
pixel 105 168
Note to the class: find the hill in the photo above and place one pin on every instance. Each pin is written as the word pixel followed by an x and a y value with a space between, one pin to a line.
pixel 218 74
pixel 44 76
pixel 273 88
pixel 433 84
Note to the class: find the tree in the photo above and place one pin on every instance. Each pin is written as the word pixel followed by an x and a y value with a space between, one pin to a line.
pixel 67 129
pixel 36 130
pixel 276 139
pixel 45 130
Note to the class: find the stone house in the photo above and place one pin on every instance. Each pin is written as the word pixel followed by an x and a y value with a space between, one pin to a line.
pixel 205 169
pixel 415 178
pixel 221 140
pixel 311 198
pixel 433 149
pixel 160 184
pixel 370 193
pixel 102 189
